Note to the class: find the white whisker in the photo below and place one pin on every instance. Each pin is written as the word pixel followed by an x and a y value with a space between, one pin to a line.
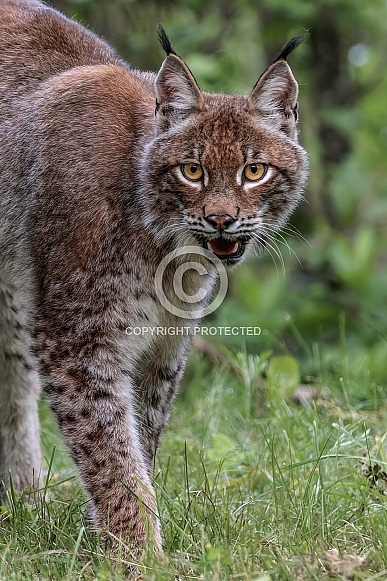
pixel 282 241
pixel 295 233
pixel 273 250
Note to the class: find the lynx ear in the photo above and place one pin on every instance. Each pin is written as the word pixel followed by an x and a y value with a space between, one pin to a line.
pixel 275 96
pixel 276 91
pixel 177 92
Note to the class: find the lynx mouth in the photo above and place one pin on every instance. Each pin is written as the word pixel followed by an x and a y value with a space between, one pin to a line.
pixel 226 249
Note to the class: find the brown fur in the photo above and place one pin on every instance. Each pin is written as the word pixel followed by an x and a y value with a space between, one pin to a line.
pixel 92 198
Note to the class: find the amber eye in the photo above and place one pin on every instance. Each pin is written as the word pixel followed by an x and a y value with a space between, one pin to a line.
pixel 255 171
pixel 192 171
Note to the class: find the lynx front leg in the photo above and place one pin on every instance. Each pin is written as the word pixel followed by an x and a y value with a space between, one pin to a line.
pixel 157 384
pixel 93 406
pixel 19 392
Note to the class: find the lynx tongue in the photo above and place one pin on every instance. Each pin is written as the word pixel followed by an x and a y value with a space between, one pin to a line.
pixel 222 247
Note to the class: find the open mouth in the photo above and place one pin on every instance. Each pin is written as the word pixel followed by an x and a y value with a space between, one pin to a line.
pixel 226 249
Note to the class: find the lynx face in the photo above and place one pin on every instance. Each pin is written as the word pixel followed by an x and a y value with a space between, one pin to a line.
pixel 225 170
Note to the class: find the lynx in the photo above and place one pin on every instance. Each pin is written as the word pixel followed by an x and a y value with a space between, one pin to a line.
pixel 105 171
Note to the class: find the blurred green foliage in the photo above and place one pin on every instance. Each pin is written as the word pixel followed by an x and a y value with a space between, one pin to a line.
pixel 331 302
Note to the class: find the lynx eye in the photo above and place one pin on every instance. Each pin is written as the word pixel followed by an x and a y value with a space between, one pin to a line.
pixel 192 171
pixel 255 171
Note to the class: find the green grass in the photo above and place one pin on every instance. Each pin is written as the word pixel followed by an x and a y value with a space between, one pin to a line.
pixel 250 485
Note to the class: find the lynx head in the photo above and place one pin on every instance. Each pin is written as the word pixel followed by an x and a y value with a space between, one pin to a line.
pixel 223 171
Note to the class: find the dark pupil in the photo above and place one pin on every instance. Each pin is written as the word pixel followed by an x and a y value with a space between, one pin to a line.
pixel 254 168
pixel 194 168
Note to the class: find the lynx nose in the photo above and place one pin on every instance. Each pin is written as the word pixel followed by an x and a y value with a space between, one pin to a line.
pixel 220 221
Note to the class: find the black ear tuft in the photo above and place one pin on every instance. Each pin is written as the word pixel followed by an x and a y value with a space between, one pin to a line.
pixel 164 40
pixel 291 45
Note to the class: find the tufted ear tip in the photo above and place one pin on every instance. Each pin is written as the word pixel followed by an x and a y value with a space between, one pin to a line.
pixel 291 45
pixel 164 40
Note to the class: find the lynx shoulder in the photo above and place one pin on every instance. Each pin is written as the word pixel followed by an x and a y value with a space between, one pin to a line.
pixel 106 174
